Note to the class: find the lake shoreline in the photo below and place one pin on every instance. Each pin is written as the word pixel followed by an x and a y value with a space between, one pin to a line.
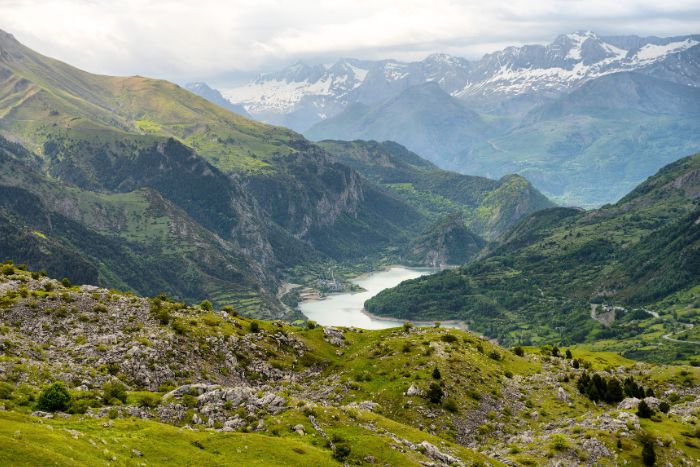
pixel 346 309
pixel 453 323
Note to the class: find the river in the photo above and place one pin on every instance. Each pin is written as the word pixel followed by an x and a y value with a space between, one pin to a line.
pixel 346 309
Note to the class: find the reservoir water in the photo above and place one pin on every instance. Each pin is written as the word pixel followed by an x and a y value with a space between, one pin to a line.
pixel 345 309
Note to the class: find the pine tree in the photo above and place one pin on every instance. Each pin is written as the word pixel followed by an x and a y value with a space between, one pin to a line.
pixel 648 453
pixel 644 411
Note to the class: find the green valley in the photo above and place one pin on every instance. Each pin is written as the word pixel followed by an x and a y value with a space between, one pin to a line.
pixel 559 268
pixel 159 190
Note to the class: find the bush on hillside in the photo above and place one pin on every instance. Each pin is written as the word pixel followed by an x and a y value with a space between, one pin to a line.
pixel 54 398
pixel 114 391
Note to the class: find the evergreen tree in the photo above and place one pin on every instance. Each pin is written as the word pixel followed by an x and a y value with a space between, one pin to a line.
pixel 614 393
pixel 435 393
pixel 644 411
pixel 54 398
pixel 648 453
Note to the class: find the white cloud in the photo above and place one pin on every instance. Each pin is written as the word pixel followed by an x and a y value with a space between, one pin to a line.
pixel 182 40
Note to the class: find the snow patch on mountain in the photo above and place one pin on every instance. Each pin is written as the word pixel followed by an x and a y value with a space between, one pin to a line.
pixel 320 91
pixel 652 52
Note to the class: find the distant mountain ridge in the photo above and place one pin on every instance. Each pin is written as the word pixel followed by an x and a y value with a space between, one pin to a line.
pixel 302 94
pixel 585 118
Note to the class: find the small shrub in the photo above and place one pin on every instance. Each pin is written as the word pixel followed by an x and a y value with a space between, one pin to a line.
pixel 113 413
pixel 54 398
pixel 648 452
pixel 8 270
pixel 450 338
pixel 6 390
pixel 80 406
pixel 569 355
pixel 342 451
pixel 664 407
pixel 436 373
pixel 311 324
pixel 451 405
pixel 66 282
pixel 99 308
pixel 148 400
pixel 519 351
pixel 179 326
pixel 407 326
pixel 206 305
pixel 559 442
pixel 495 355
pixel 114 390
pixel 254 327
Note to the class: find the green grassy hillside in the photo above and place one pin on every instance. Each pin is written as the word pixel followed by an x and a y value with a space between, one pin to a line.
pixel 95 376
pixel 543 283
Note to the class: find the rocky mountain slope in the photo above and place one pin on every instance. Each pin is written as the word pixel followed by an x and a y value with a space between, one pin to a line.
pixel 637 259
pixel 95 376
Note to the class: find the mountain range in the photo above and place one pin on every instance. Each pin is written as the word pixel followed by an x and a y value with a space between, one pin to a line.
pixel 139 184
pixel 149 236
pixel 495 116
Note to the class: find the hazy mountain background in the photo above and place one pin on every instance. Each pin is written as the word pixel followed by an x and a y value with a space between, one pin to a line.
pixel 586 118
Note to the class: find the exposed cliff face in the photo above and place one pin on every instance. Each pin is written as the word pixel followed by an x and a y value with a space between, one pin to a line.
pixel 489 207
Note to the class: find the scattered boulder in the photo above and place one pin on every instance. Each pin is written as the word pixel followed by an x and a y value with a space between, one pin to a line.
pixel 562 395
pixel 629 403
pixel 334 336
pixel 595 450
pixel 434 453
pixel 652 402
pixel 413 391
pixel 364 405
pixel 299 429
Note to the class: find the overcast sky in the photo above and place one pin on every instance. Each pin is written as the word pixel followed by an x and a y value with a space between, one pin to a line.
pixel 209 39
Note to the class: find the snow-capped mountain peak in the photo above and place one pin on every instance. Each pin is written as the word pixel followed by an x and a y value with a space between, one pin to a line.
pixel 302 94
